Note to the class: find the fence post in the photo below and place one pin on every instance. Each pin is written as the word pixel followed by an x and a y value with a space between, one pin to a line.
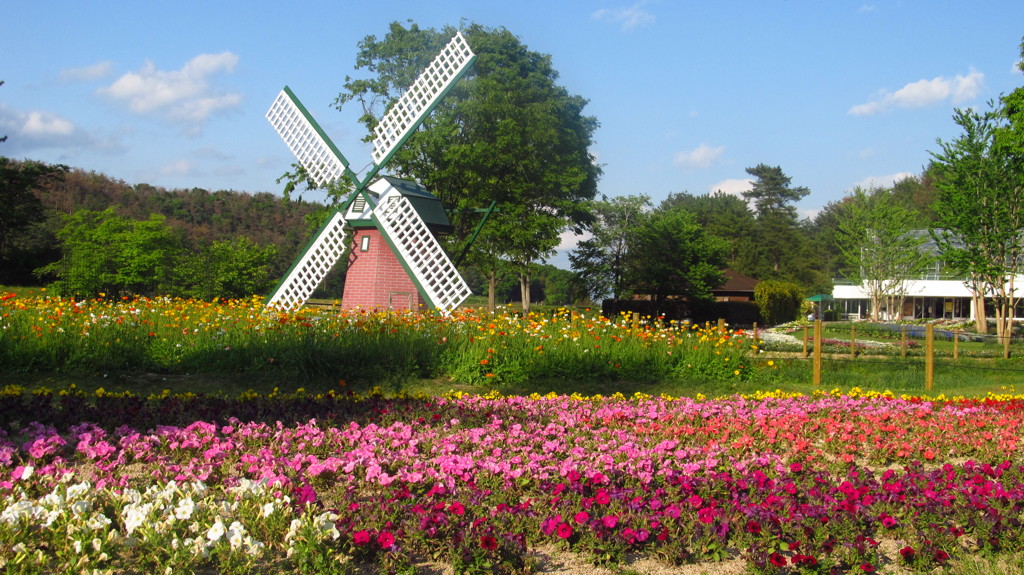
pixel 721 326
pixel 929 356
pixel 956 344
pixel 806 350
pixel 636 322
pixel 817 352
pixel 755 332
pixel 853 342
pixel 1006 339
pixel 903 340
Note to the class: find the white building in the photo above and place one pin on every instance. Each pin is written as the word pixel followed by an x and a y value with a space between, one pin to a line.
pixel 928 298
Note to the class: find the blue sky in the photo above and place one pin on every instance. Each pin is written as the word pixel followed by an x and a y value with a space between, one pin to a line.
pixel 689 94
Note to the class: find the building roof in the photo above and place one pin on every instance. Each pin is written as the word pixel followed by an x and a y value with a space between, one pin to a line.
pixel 737 282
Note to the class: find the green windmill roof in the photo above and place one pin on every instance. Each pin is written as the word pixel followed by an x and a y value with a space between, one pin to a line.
pixel 426 204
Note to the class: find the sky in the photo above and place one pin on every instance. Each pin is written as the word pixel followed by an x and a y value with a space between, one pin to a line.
pixel 689 94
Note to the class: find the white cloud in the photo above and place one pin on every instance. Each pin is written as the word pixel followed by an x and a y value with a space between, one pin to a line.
pixel 36 129
pixel 177 168
pixel 629 18
pixel 867 8
pixel 568 240
pixel 732 187
pixel 184 96
pixel 703 156
pixel 97 71
pixel 925 93
pixel 872 182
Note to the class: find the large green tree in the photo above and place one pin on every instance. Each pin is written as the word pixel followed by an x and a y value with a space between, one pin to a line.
pixel 106 253
pixel 723 215
pixel 876 235
pixel 22 210
pixel 779 248
pixel 980 205
pixel 507 132
pixel 672 255
pixel 600 261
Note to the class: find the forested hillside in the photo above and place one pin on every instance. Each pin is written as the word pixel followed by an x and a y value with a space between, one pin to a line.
pixel 198 217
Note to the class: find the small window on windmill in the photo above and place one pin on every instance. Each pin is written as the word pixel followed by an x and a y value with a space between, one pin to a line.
pixel 364 244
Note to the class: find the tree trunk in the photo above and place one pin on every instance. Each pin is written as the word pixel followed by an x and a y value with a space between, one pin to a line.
pixel 524 290
pixel 492 286
pixel 980 321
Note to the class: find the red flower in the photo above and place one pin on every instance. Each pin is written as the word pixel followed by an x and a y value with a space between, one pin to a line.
pixel 564 530
pixel 385 539
pixel 941 556
pixel 488 542
pixel 795 467
pixel 867 567
pixel 907 553
pixel 753 527
pixel 361 537
pixel 777 560
pixel 457 508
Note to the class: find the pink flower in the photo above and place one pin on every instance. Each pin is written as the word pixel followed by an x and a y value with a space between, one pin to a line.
pixel 361 537
pixel 564 530
pixel 581 517
pixel 610 521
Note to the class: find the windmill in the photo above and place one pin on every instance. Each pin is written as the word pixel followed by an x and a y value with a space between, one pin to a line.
pixel 387 208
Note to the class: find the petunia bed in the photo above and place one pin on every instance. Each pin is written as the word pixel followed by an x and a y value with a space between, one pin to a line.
pixel 803 484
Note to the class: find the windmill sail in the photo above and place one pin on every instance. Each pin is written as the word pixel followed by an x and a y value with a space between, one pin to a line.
pixel 320 256
pixel 420 99
pixel 322 160
pixel 421 254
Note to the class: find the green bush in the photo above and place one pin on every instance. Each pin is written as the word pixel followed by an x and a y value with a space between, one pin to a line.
pixel 778 301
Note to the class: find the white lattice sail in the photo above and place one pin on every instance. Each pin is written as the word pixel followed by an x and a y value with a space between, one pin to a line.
pixel 431 85
pixel 437 277
pixel 314 264
pixel 311 146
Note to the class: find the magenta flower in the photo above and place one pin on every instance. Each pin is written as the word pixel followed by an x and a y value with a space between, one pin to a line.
pixel 361 537
pixel 564 530
pixel 385 539
pixel 610 521
pixel 581 517
pixel 488 542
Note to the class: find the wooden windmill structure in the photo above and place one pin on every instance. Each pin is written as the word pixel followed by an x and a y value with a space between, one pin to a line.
pixel 387 225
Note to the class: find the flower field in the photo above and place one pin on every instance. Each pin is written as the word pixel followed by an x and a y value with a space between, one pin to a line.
pixel 166 335
pixel 95 481
pixel 829 482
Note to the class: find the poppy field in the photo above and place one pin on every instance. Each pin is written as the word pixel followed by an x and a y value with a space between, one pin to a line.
pixel 172 336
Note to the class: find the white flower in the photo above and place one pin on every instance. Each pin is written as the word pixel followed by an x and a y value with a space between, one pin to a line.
pixel 268 509
pixel 216 532
pixel 98 521
pixel 184 509
pixel 80 507
pixel 97 543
